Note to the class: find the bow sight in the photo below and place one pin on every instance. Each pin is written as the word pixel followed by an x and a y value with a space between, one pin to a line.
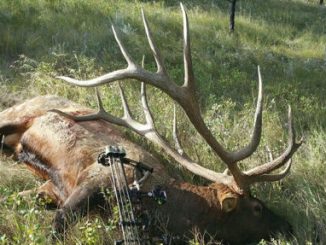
pixel 132 222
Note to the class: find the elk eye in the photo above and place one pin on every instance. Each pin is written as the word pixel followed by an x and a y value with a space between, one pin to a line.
pixel 257 209
pixel 229 204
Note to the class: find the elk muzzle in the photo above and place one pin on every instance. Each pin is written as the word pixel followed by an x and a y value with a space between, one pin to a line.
pixel 252 221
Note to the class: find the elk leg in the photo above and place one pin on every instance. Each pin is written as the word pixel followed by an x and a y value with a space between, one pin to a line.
pixel 76 206
pixel 87 193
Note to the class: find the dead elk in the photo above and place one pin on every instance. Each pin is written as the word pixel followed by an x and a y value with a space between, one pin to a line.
pixel 62 145
pixel 64 153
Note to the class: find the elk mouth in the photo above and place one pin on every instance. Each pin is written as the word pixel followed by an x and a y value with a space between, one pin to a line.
pixel 279 229
pixel 284 230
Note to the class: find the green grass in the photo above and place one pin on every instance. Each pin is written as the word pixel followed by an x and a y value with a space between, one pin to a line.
pixel 42 39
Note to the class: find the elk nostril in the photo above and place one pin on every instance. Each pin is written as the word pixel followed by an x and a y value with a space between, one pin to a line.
pixel 257 209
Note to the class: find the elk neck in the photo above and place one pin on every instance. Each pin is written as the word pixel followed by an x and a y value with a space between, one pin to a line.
pixel 191 207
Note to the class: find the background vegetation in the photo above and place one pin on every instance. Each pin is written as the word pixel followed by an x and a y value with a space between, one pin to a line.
pixel 40 39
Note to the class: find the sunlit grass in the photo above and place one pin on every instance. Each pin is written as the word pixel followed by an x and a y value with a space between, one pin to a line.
pixel 43 39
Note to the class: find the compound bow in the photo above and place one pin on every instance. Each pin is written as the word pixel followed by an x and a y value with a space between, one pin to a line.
pixel 132 222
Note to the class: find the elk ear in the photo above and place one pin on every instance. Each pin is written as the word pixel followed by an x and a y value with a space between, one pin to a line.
pixel 226 197
pixel 229 202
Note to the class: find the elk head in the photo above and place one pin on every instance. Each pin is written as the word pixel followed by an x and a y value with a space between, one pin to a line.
pixel 231 189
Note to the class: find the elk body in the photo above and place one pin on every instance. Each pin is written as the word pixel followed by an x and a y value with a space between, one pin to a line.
pixel 64 152
pixel 62 145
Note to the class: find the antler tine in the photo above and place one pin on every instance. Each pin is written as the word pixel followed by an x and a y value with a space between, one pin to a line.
pixel 269 153
pixel 189 75
pixel 157 56
pixel 99 100
pixel 271 177
pixel 112 76
pixel 175 133
pixel 159 79
pixel 126 110
pixel 147 112
pixel 100 114
pixel 256 134
pixel 143 95
pixel 284 157
pixel 123 50
pixel 92 116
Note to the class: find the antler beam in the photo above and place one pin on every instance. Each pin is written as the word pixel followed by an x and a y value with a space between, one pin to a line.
pixel 185 96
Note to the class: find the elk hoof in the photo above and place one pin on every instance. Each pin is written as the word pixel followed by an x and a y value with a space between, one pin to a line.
pixel 58 224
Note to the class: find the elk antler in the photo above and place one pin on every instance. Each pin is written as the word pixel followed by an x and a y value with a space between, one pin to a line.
pixel 185 96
